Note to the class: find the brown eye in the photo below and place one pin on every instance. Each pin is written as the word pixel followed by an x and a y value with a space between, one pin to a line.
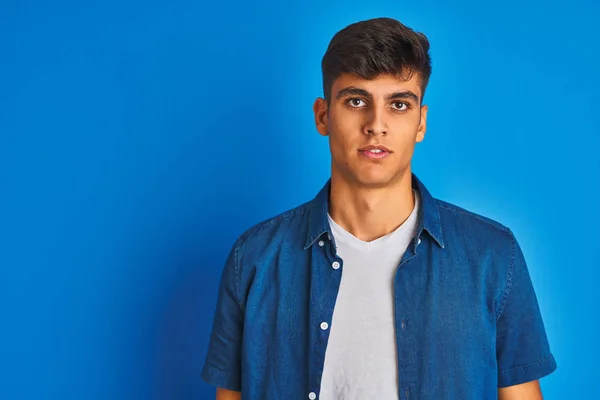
pixel 355 102
pixel 401 106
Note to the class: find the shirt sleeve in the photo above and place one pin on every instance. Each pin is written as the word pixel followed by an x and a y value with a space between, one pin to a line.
pixel 522 348
pixel 222 367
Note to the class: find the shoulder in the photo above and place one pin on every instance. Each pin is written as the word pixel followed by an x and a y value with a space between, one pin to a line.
pixel 458 220
pixel 476 234
pixel 488 246
pixel 274 231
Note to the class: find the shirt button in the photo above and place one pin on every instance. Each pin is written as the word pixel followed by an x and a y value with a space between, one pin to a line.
pixel 324 325
pixel 328 235
pixel 321 243
pixel 419 241
pixel 312 395
pixel 335 265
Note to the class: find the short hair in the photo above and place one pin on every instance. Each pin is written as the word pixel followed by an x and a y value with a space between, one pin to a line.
pixel 373 47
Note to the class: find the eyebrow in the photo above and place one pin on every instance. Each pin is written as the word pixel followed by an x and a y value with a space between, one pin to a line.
pixel 354 91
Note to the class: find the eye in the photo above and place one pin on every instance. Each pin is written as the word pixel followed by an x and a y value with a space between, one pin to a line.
pixel 354 102
pixel 402 106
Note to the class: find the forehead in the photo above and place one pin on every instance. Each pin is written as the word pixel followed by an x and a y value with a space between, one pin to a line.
pixel 378 86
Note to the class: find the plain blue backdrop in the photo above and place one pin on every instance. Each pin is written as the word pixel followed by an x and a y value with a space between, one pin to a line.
pixel 139 139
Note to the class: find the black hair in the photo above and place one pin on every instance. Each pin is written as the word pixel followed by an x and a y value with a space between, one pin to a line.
pixel 373 47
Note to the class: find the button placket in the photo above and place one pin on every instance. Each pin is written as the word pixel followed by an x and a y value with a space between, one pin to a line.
pixel 324 326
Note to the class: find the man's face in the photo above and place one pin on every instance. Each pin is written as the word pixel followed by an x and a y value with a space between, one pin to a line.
pixel 384 112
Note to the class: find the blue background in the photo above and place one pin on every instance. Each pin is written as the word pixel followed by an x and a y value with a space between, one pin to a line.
pixel 138 139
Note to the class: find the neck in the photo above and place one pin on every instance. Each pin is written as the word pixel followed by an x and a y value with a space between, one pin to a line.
pixel 369 213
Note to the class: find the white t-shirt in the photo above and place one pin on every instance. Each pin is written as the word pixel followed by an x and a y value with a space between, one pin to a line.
pixel 361 358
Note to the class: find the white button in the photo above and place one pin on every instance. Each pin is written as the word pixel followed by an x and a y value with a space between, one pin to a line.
pixel 328 236
pixel 324 325
pixel 312 395
pixel 321 243
pixel 419 241
pixel 335 265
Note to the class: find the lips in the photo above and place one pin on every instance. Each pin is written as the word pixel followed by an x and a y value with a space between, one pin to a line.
pixel 375 152
pixel 374 147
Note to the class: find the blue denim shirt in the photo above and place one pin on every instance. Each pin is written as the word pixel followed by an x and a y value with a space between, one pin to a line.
pixel 467 319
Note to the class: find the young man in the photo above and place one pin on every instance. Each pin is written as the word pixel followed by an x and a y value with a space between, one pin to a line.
pixel 375 289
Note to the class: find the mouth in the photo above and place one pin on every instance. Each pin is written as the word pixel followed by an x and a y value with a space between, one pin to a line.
pixel 375 152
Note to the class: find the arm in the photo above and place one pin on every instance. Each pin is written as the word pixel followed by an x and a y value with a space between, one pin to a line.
pixel 522 350
pixel 224 394
pixel 223 364
pixel 525 391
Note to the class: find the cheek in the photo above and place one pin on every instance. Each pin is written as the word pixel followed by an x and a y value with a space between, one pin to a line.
pixel 407 128
pixel 344 133
pixel 344 119
pixel 407 122
pixel 339 144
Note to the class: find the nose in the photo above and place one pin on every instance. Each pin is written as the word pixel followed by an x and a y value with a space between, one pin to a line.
pixel 375 124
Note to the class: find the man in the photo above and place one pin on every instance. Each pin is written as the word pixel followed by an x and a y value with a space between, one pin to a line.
pixel 375 289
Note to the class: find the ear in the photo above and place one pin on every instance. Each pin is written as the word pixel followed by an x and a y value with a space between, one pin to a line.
pixel 320 111
pixel 422 124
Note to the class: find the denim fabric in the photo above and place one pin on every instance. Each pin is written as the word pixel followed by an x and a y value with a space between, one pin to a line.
pixel 467 317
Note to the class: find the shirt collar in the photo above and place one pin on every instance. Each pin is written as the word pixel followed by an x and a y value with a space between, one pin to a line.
pixel 429 214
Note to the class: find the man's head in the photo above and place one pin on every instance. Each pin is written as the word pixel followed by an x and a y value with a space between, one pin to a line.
pixel 374 77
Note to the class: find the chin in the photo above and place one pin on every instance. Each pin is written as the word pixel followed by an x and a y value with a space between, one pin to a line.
pixel 369 176
pixel 373 181
pixel 378 178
